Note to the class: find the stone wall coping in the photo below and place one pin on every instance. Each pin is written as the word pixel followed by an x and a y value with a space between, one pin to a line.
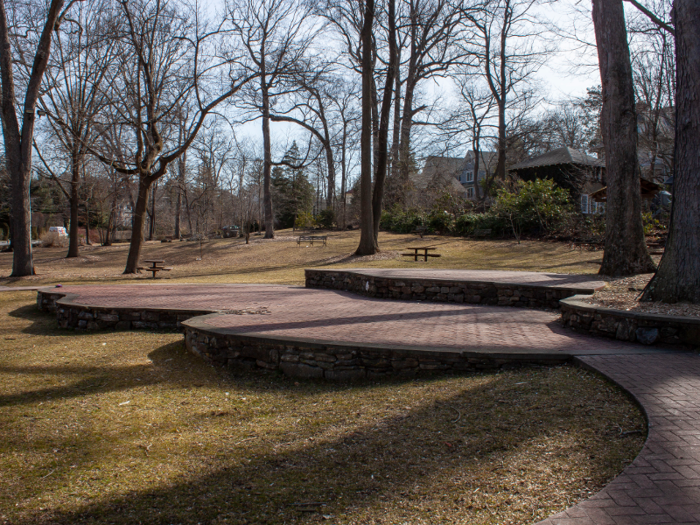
pixel 444 280
pixel 577 302
pixel 200 324
pixel 70 299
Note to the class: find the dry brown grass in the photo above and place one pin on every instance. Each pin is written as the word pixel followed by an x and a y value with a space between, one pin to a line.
pixel 129 428
pixel 282 261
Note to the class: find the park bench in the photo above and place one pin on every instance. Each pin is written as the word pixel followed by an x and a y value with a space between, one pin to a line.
pixel 486 232
pixel 420 230
pixel 155 267
pixel 425 253
pixel 312 238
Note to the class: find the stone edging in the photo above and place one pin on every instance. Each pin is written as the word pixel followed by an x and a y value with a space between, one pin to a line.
pixel 442 290
pixel 628 326
pixel 310 358
pixel 72 314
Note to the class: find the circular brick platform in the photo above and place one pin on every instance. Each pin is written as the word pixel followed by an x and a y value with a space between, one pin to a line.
pixel 323 333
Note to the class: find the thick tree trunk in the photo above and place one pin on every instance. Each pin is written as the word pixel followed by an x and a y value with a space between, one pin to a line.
pixel 678 278
pixel 138 222
pixel 73 232
pixel 383 137
pixel 331 174
pixel 267 162
pixel 625 247
pixel 22 260
pixel 368 243
pixel 181 163
pixel 87 222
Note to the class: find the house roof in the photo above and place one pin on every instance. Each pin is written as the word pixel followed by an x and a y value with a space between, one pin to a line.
pixel 439 170
pixel 559 156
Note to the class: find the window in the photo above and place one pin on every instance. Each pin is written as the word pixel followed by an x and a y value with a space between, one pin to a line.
pixel 470 193
pixel 584 203
pixel 600 208
pixel 470 176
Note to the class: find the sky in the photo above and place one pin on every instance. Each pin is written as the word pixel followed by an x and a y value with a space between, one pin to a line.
pixel 565 74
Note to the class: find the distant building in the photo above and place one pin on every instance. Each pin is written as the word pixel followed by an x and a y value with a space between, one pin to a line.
pixel 570 169
pixel 454 175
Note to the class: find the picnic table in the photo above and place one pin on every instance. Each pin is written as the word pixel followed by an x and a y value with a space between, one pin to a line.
pixel 155 266
pixel 425 253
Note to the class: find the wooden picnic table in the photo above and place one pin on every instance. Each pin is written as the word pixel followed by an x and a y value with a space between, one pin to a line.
pixel 154 268
pixel 425 253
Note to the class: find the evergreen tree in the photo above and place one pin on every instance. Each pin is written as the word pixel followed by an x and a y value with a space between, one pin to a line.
pixel 292 193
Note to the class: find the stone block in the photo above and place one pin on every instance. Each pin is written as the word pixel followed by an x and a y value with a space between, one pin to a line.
pixel 123 325
pixel 110 318
pixel 301 370
pixel 350 374
pixel 647 336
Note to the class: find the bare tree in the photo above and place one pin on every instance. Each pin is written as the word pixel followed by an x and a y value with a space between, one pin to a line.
pixel 625 247
pixel 168 59
pixel 506 51
pixel 18 132
pixel 74 94
pixel 432 27
pixel 275 36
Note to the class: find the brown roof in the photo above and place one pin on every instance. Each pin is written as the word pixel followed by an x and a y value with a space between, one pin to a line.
pixel 440 171
pixel 559 156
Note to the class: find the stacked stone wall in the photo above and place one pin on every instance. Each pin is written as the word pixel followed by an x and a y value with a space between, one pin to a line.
pixel 438 290
pixel 340 363
pixel 629 326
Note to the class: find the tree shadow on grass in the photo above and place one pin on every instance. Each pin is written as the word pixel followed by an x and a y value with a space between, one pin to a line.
pixel 451 447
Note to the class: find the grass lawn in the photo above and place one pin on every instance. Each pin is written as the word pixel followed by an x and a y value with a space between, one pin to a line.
pixel 128 427
pixel 283 261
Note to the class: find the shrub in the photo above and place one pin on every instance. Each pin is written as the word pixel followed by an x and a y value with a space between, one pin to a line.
pixel 535 206
pixel 469 222
pixel 441 221
pixel 398 220
pixel 304 220
pixel 326 219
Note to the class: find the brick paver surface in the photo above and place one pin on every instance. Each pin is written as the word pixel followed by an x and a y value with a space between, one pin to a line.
pixel 345 318
pixel 492 276
pixel 661 486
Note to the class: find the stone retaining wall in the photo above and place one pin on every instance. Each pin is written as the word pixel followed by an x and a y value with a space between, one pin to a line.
pixel 82 317
pixel 629 326
pixel 308 359
pixel 439 290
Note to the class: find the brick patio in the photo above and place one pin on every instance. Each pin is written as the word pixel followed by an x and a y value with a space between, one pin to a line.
pixel 662 485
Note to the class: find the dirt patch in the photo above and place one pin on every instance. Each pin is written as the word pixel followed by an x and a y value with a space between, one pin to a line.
pixel 623 293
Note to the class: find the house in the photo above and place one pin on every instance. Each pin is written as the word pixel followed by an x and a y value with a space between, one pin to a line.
pixel 469 179
pixel 570 169
pixel 453 174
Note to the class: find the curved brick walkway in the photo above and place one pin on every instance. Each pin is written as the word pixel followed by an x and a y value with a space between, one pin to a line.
pixel 661 486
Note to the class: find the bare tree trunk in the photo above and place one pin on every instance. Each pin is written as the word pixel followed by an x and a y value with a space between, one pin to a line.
pixel 139 220
pixel 678 278
pixel 382 158
pixel 368 243
pixel 152 225
pixel 267 161
pixel 625 247
pixel 73 233
pixel 181 164
pixel 87 222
